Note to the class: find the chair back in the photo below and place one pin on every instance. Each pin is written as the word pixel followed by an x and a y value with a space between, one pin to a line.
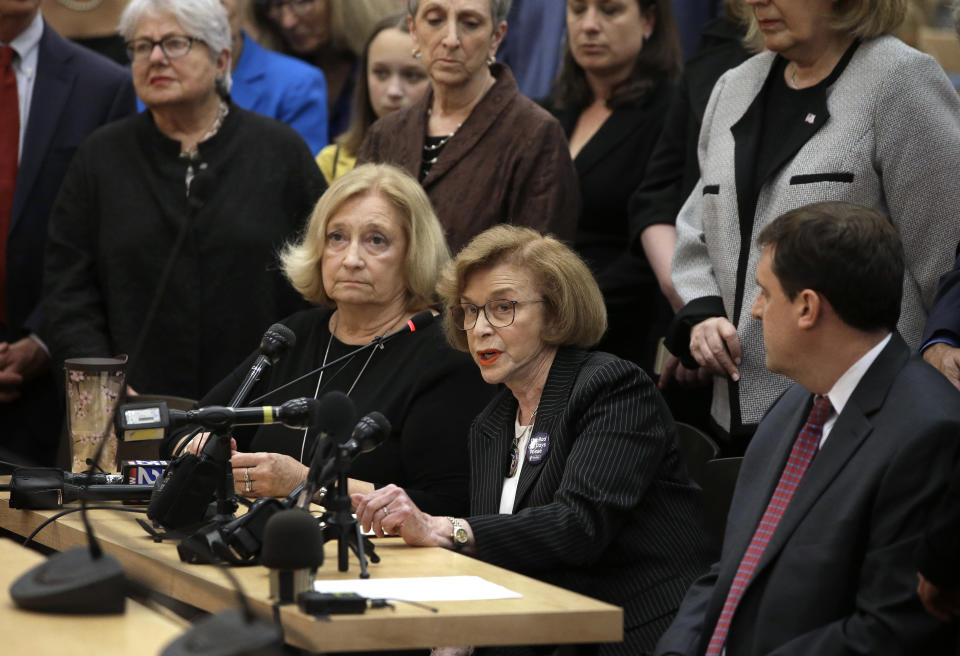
pixel 696 448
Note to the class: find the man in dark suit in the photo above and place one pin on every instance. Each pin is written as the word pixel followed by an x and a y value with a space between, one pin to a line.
pixel 834 490
pixel 52 95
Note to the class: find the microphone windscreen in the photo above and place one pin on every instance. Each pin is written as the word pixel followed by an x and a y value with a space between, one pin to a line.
pixel 336 416
pixel 421 320
pixel 371 431
pixel 277 340
pixel 292 539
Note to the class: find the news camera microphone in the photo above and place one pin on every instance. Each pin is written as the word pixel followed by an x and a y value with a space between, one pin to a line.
pixel 339 414
pixel 292 550
pixel 417 322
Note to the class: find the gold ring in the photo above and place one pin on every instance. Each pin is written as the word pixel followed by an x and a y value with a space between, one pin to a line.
pixel 246 474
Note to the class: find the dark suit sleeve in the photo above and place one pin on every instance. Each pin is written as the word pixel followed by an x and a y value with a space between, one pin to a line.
pixel 944 318
pixel 618 440
pixel 117 103
pixel 939 554
pixel 545 189
pixel 886 605
pixel 76 320
pixel 686 632
pixel 659 197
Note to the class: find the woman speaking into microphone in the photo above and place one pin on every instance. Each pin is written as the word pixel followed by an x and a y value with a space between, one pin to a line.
pixel 370 259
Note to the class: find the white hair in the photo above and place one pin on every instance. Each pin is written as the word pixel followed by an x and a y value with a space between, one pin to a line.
pixel 205 20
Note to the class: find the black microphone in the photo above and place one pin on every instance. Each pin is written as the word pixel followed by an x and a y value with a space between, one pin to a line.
pixel 277 340
pixel 293 550
pixel 417 322
pixel 295 413
pixel 135 418
pixel 341 416
pixel 370 432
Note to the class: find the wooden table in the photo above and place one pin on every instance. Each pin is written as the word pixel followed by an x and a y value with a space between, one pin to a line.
pixel 544 615
pixel 139 630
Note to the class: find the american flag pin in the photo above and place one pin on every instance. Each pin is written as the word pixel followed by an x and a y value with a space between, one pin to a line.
pixel 810 118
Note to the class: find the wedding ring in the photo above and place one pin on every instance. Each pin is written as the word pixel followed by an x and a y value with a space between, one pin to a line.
pixel 246 476
pixel 386 511
pixel 249 486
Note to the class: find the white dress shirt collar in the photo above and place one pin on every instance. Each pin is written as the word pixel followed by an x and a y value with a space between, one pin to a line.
pixel 843 389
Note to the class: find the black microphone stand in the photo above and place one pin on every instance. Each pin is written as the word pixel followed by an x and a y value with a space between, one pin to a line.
pixel 339 521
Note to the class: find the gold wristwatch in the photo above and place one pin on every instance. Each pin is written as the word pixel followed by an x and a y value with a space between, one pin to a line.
pixel 459 534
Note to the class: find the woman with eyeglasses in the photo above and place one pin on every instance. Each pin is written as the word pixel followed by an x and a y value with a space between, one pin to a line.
pixel 329 34
pixel 575 476
pixel 163 239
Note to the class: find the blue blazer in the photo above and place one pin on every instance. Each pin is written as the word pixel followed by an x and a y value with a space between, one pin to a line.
pixel 75 92
pixel 283 88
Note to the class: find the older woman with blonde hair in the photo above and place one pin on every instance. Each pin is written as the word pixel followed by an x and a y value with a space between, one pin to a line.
pixel 835 109
pixel 575 476
pixel 370 257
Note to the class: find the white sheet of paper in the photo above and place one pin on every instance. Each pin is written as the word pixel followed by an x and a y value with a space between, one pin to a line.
pixel 427 588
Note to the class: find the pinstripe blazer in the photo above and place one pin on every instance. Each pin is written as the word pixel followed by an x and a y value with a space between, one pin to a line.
pixel 888 138
pixel 609 511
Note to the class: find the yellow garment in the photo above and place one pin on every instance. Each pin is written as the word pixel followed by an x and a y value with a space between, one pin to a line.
pixel 334 161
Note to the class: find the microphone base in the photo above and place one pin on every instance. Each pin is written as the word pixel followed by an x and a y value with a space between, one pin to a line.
pixel 73 582
pixel 228 633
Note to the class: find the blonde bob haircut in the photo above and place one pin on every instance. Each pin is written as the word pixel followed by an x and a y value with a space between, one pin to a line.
pixel 861 19
pixel 427 251
pixel 576 314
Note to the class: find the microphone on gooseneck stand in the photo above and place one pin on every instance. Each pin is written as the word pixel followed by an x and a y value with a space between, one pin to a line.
pixel 292 550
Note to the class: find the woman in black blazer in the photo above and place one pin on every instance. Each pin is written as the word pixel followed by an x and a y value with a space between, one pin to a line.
pixel 612 98
pixel 575 475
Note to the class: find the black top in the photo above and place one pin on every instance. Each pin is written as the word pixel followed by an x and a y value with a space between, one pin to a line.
pixel 610 166
pixel 429 392
pixel 784 110
pixel 673 170
pixel 115 223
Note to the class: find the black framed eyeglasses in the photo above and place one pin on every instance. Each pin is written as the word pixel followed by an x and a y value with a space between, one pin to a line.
pixel 500 313
pixel 298 7
pixel 174 46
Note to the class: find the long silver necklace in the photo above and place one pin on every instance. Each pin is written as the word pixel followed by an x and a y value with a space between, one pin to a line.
pixel 316 391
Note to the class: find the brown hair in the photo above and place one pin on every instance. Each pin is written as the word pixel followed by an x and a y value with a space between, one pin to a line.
pixel 850 254
pixel 659 58
pixel 362 115
pixel 576 313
